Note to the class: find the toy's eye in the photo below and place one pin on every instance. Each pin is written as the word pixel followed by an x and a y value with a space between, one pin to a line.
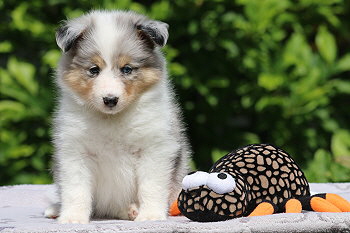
pixel 194 180
pixel 221 182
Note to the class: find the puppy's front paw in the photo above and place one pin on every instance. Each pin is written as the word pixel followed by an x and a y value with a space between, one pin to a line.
pixel 150 215
pixel 133 211
pixel 73 218
pixel 52 211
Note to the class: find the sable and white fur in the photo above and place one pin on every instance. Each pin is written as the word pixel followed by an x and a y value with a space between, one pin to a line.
pixel 125 161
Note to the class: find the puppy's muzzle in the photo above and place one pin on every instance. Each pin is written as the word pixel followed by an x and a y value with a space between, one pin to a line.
pixel 110 101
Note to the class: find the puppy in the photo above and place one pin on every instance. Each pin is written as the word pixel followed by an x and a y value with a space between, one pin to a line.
pixel 120 147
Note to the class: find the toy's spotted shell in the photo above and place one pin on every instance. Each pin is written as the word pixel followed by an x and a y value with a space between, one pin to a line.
pixel 262 172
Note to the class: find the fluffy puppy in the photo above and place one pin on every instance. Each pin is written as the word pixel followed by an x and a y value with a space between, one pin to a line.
pixel 120 148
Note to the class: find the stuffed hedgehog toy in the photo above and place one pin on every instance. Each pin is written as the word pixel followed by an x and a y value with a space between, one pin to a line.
pixel 254 180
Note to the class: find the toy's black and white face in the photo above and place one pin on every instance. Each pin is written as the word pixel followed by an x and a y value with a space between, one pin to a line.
pixel 214 196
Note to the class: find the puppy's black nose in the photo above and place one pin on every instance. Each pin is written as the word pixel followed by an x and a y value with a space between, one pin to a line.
pixel 110 101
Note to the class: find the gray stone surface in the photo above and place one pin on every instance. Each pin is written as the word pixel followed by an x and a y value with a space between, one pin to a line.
pixel 22 207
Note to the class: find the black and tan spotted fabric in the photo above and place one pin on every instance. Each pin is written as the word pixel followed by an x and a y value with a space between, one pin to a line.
pixel 262 173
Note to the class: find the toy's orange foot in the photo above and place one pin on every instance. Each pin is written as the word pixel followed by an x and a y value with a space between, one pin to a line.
pixel 326 202
pixel 321 205
pixel 338 201
pixel 174 209
pixel 293 206
pixel 264 208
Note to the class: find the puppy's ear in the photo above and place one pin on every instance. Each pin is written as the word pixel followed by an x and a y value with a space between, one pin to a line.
pixel 154 32
pixel 70 32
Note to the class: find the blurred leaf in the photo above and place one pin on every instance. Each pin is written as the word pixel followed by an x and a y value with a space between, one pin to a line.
pixel 217 154
pixel 73 13
pixel 339 173
pixel 341 86
pixel 23 21
pixel 218 82
pixel 343 63
pixel 177 69
pixel 18 16
pixel 21 151
pixel 270 81
pixel 318 168
pixel 251 138
pixel 24 73
pixel 11 110
pixel 326 44
pixel 245 71
pixel 231 47
pixel 160 10
pixel 5 47
pixel 330 14
pixel 212 100
pixel 298 53
pixel 51 57
pixel 340 146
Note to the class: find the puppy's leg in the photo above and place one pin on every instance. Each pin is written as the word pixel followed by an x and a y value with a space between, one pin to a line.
pixel 154 178
pixel 74 181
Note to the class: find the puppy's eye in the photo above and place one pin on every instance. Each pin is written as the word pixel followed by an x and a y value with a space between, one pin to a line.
pixel 126 69
pixel 94 71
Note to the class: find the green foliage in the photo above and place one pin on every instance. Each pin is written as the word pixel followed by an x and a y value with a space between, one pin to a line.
pixel 246 71
pixel 24 123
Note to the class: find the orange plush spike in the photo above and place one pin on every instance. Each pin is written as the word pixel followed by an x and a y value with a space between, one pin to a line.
pixel 321 205
pixel 338 201
pixel 293 206
pixel 263 208
pixel 174 209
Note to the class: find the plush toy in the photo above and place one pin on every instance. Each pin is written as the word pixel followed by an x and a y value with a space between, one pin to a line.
pixel 254 180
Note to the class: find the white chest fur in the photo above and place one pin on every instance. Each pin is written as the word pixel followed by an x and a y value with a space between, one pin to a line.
pixel 116 151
